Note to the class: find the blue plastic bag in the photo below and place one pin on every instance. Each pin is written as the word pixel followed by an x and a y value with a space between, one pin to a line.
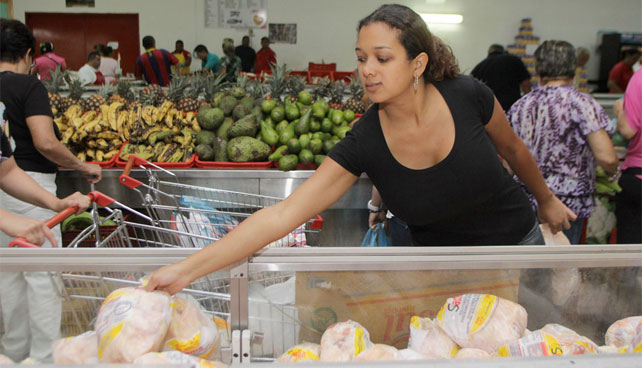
pixel 376 237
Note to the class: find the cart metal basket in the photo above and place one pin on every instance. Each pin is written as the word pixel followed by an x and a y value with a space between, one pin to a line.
pixel 205 211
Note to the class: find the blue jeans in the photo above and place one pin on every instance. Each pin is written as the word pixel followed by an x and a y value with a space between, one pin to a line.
pixel 399 233
pixel 575 232
pixel 534 236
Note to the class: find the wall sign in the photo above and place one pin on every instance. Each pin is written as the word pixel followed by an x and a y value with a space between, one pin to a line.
pixel 235 14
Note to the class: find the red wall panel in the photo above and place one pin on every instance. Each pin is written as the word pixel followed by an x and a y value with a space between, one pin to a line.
pixel 75 34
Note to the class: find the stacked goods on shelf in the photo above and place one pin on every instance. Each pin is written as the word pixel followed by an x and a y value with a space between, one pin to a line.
pixel 524 47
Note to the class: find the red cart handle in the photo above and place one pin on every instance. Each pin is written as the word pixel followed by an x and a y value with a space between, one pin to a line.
pixel 127 180
pixel 94 196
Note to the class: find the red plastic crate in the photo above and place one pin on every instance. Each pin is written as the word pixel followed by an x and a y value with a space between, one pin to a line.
pixel 167 165
pixel 232 165
pixel 327 67
pixel 319 73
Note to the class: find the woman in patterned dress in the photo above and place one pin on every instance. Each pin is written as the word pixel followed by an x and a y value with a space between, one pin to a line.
pixel 566 131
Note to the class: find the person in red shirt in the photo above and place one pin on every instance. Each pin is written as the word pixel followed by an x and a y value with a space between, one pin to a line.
pixel 264 57
pixel 154 64
pixel 623 71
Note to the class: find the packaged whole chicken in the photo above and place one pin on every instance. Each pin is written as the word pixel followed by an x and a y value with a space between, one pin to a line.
pixel 409 354
pixel 5 360
pixel 379 352
pixel 482 321
pixel 343 341
pixel 472 353
pixel 428 339
pixel 552 339
pixel 636 343
pixel 621 333
pixel 304 352
pixel 81 349
pixel 132 322
pixel 191 331
pixel 176 357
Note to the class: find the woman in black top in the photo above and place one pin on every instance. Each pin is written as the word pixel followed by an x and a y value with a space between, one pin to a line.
pixel 438 169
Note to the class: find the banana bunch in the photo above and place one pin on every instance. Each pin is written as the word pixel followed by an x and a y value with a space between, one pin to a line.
pixel 159 152
pixel 90 135
pixel 604 183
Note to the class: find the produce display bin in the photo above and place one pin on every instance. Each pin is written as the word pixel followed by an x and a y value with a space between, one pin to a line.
pixel 169 165
pixel 280 297
pixel 232 165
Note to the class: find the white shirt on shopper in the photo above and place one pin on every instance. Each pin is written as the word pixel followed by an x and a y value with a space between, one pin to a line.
pixel 87 74
pixel 109 68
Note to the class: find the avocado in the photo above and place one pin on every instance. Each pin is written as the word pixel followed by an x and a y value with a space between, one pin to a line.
pixel 267 106
pixel 287 134
pixel 247 126
pixel 316 145
pixel 288 162
pixel 294 146
pixel 220 149
pixel 227 104
pixel 240 111
pixel 268 135
pixel 278 153
pixel 318 159
pixel 210 119
pixel 303 125
pixel 246 149
pixel 237 92
pixel 205 137
pixel 306 157
pixel 224 128
pixel 247 102
pixel 281 126
pixel 258 114
pixel 205 152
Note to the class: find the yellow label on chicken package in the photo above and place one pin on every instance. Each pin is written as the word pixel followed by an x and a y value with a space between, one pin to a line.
pixel 482 312
pixel 186 346
pixel 107 338
pixel 454 350
pixel 536 344
pixel 302 354
pixel 466 314
pixel 359 343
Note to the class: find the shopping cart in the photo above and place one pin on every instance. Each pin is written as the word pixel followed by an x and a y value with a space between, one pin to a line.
pixel 205 211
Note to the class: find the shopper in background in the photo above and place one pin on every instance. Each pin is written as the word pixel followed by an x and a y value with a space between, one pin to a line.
pixel 184 59
pixel 154 64
pixel 48 61
pixel 247 55
pixel 628 205
pixel 31 307
pixel 108 65
pixel 505 74
pixel 89 73
pixel 209 60
pixel 264 57
pixel 623 71
pixel 230 62
pixel 429 144
pixel 581 80
pixel 567 133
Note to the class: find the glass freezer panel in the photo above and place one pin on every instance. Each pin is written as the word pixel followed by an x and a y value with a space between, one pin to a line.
pixel 287 308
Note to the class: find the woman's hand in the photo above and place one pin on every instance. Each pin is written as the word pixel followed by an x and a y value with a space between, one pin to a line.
pixel 77 199
pixel 172 279
pixel 555 213
pixel 34 231
pixel 92 172
pixel 376 217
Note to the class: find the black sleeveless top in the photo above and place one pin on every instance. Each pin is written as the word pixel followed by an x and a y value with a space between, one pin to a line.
pixel 466 199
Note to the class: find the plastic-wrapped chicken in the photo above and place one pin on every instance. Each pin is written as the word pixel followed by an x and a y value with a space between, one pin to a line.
pixel 81 349
pixel 621 332
pixel 130 323
pixel 430 340
pixel 552 339
pixel 636 343
pixel 409 354
pixel 482 321
pixel 472 353
pixel 301 353
pixel 176 357
pixel 5 360
pixel 191 331
pixel 607 349
pixel 379 352
pixel 343 341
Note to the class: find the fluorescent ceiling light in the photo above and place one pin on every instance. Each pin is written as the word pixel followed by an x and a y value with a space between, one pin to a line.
pixel 434 18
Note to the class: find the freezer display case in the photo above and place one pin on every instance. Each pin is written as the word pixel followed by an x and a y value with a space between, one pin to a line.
pixel 513 302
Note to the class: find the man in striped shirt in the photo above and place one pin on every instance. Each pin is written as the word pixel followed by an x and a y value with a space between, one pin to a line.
pixel 154 64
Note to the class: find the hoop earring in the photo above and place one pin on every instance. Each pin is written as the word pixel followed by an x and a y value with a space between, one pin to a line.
pixel 415 83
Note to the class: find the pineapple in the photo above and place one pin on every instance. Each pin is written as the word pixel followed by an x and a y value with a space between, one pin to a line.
pixel 213 83
pixel 355 102
pixel 124 94
pixel 53 89
pixel 336 94
pixel 295 84
pixel 94 102
pixel 277 81
pixel 256 89
pixel 76 90
pixel 188 102
pixel 155 92
pixel 320 91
